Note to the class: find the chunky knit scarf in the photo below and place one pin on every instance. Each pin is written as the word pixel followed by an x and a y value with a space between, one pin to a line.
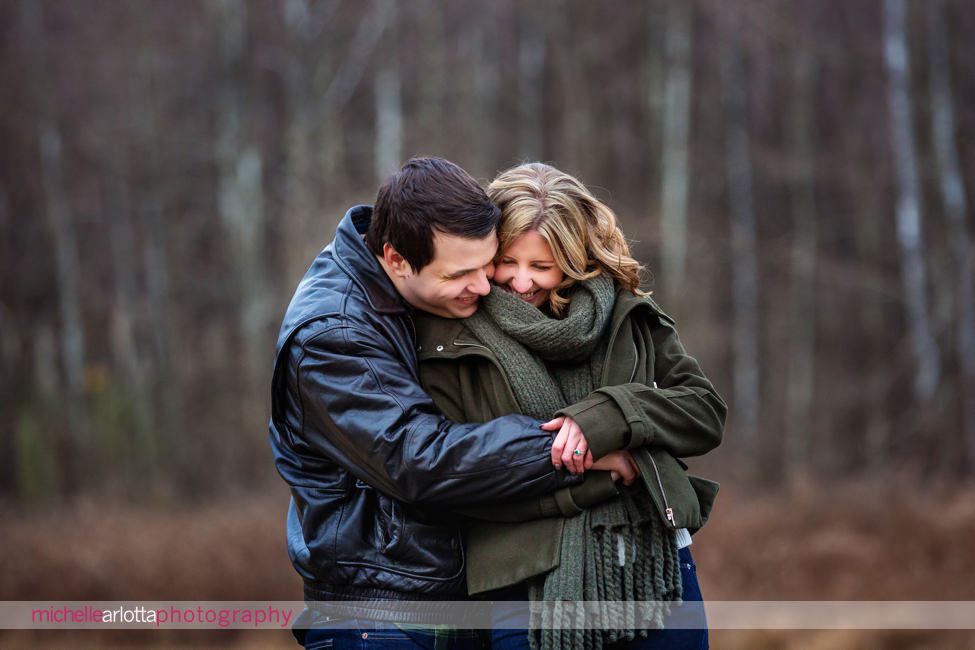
pixel 619 552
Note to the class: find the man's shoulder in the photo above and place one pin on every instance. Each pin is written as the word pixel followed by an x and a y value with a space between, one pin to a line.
pixel 340 315
pixel 326 298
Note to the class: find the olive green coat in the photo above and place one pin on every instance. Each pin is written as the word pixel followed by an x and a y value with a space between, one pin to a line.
pixel 652 395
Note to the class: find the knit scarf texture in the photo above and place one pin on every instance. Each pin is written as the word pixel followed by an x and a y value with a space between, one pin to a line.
pixel 618 553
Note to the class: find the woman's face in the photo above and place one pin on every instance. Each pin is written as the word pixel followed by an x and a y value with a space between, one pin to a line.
pixel 528 270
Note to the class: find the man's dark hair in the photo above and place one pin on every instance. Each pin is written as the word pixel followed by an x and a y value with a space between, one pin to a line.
pixel 428 195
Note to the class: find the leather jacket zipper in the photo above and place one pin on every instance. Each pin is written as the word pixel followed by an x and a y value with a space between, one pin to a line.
pixel 667 508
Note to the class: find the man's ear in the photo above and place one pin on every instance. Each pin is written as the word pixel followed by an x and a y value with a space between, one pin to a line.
pixel 396 262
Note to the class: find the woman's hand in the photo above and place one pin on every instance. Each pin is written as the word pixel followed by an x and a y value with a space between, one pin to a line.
pixel 569 441
pixel 620 464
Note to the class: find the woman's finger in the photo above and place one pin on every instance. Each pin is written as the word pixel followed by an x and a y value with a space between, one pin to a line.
pixel 573 454
pixel 579 451
pixel 558 446
pixel 553 424
pixel 566 457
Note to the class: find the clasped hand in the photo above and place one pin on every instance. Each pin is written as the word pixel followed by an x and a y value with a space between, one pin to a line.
pixel 571 450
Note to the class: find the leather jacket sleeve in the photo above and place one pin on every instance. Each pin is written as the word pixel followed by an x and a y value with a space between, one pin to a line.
pixel 681 413
pixel 597 487
pixel 362 406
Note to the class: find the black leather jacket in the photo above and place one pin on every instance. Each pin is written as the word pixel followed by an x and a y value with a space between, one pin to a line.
pixel 373 466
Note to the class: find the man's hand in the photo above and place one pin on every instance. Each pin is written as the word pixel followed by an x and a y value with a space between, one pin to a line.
pixel 569 441
pixel 620 464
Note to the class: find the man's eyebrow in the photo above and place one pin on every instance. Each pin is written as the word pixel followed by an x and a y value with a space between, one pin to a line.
pixel 457 274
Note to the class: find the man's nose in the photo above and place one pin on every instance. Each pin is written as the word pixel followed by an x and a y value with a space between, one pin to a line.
pixel 489 270
pixel 481 286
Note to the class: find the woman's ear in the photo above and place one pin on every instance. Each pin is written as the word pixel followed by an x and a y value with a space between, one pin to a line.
pixel 396 262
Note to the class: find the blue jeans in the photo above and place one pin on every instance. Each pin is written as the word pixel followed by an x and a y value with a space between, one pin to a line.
pixel 356 634
pixel 694 636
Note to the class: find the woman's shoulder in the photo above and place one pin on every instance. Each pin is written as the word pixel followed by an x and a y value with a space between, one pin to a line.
pixel 632 304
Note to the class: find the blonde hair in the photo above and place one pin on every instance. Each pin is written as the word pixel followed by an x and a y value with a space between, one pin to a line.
pixel 579 228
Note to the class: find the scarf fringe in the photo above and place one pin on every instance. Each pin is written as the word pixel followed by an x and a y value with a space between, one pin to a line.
pixel 593 572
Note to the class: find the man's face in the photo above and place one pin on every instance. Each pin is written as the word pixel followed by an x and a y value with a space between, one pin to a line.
pixel 452 283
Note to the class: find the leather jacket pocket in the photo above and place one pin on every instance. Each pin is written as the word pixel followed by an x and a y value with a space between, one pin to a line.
pixel 402 542
pixel 431 550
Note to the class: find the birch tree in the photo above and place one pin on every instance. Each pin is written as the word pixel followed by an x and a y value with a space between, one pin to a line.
pixel 531 68
pixel 802 290
pixel 389 104
pixel 908 212
pixel 433 83
pixel 675 167
pixel 126 327
pixel 166 382
pixel 240 188
pixel 744 274
pixel 955 205
pixel 61 227
pixel 305 71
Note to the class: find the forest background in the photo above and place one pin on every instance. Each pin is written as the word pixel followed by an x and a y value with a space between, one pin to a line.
pixel 797 177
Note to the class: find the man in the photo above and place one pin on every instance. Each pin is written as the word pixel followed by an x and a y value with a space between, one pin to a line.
pixel 367 456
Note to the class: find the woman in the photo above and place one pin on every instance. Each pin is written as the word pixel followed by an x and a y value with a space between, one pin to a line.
pixel 567 332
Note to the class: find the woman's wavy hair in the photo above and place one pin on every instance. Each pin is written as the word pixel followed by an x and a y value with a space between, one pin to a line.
pixel 579 228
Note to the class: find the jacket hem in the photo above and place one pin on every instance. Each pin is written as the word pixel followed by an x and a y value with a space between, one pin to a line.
pixel 381 604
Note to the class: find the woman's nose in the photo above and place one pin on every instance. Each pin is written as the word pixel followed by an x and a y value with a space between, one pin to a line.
pixel 522 283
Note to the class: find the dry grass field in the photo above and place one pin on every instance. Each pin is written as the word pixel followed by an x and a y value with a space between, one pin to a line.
pixel 859 542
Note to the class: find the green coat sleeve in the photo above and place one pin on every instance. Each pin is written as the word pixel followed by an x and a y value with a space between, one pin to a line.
pixel 682 413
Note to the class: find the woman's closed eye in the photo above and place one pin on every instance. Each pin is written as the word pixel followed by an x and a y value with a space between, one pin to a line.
pixel 538 266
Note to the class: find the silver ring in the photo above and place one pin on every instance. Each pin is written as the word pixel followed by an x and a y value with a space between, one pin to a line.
pixel 577 452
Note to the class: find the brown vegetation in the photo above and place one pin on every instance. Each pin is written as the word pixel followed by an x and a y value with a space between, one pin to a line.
pixel 863 542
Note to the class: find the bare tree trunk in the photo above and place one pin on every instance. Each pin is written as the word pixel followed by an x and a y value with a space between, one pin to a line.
pixel 310 157
pixel 67 265
pixel 341 86
pixel 434 79
pixel 656 76
pixel 317 89
pixel 862 181
pixel 349 74
pixel 124 329
pixel 301 195
pixel 956 208
pixel 389 104
pixel 744 274
pixel 482 89
pixel 675 167
pixel 802 292
pixel 909 239
pixel 166 379
pixel 241 190
pixel 575 104
pixel 531 70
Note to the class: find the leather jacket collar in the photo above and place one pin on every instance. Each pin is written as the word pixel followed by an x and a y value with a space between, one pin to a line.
pixel 355 258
